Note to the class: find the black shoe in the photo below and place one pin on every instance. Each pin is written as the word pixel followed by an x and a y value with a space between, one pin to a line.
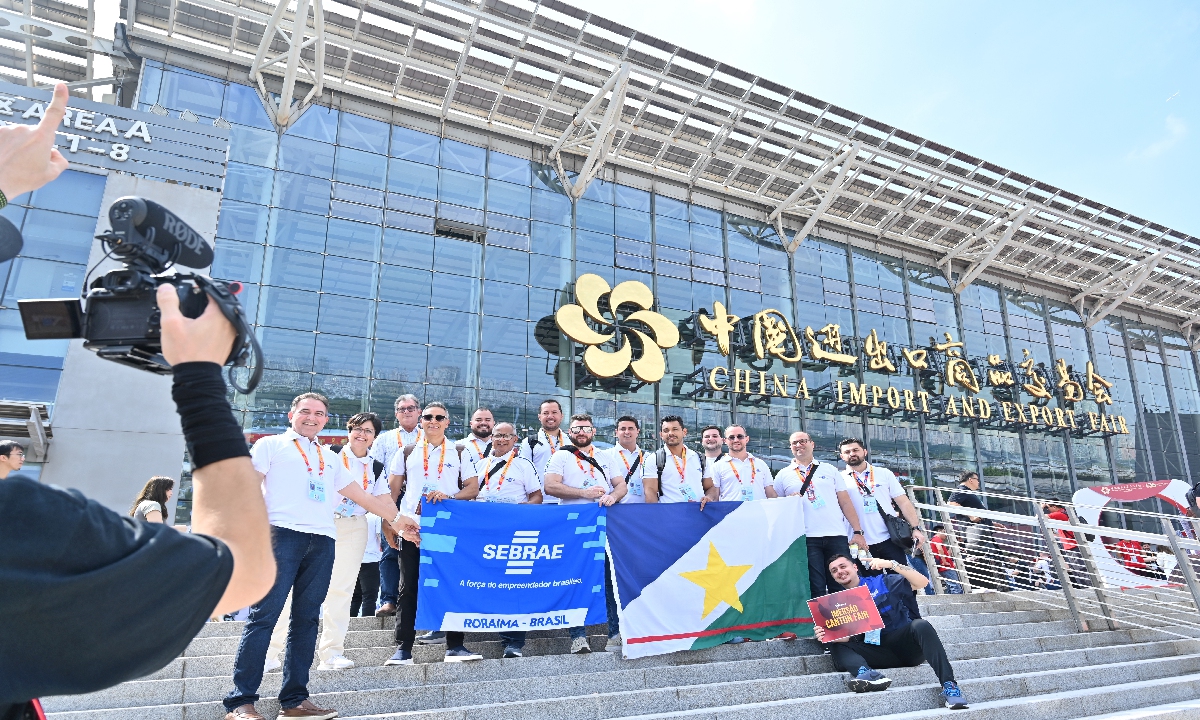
pixel 512 651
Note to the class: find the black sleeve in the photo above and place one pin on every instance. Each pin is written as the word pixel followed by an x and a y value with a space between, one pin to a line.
pixel 91 598
pixel 899 588
pixel 967 499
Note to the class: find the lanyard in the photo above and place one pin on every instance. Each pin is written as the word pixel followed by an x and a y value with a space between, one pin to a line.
pixel 478 452
pixel 621 452
pixel 346 462
pixel 441 461
pixel 590 469
pixel 550 441
pixel 680 470
pixel 400 440
pixel 320 457
pixel 487 476
pixel 862 486
pixel 753 469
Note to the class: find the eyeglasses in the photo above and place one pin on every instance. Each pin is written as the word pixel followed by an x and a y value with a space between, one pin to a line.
pixel 362 431
pixel 739 436
pixel 503 436
pixel 306 411
pixel 801 442
pixel 404 408
pixel 583 429
pixel 435 418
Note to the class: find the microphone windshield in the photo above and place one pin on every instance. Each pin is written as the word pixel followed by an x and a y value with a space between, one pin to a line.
pixel 163 228
pixel 10 240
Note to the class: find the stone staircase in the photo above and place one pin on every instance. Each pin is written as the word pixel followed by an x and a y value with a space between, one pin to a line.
pixel 1016 655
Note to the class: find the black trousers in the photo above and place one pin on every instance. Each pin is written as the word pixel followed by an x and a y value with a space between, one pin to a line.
pixel 820 550
pixel 907 647
pixel 406 615
pixel 888 550
pixel 366 591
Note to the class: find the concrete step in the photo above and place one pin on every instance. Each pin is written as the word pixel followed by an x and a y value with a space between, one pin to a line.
pixel 1117 701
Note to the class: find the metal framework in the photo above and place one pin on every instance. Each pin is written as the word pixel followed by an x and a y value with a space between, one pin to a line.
pixel 294 37
pixel 526 70
pixel 45 41
pixel 586 130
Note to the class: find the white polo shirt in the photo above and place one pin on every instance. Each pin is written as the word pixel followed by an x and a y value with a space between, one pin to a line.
pixel 871 492
pixel 373 553
pixel 578 473
pixel 743 480
pixel 544 450
pixel 362 472
pixel 618 461
pixel 474 449
pixel 429 468
pixel 301 482
pixel 672 487
pixel 822 514
pixel 506 479
pixel 389 442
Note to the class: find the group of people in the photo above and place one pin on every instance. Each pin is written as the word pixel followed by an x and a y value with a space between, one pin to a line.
pixel 319 498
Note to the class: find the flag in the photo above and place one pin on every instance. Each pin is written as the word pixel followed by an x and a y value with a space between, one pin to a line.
pixel 688 579
pixel 493 567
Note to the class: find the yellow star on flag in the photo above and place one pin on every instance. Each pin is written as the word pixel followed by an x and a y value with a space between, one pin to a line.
pixel 718 580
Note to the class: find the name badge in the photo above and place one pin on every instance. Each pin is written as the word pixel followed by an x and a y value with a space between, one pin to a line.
pixel 747 494
pixel 817 501
pixel 635 487
pixel 872 637
pixel 689 495
pixel 870 504
pixel 316 490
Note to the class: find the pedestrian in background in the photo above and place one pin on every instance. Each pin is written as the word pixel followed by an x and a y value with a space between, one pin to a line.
pixel 366 590
pixel 151 502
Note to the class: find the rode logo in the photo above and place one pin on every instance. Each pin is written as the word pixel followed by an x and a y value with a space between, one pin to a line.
pixel 522 552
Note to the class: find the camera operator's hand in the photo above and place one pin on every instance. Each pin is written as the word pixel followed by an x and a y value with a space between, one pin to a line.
pixel 208 338
pixel 28 158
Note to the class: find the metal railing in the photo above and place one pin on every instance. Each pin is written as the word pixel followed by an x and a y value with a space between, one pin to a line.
pixel 1095 573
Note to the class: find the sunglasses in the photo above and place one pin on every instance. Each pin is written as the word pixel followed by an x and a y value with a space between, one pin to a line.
pixel 431 416
pixel 736 437
pixel 409 409
pixel 503 436
pixel 583 429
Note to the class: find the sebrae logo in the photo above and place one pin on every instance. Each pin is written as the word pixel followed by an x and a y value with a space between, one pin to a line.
pixel 590 291
pixel 521 554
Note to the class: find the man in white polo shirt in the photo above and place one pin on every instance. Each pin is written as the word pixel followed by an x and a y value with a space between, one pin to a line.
pixel 712 443
pixel 575 475
pixel 435 470
pixel 408 412
pixel 739 475
pixel 303 484
pixel 678 473
pixel 538 448
pixel 350 520
pixel 626 460
pixel 875 491
pixel 505 477
pixel 476 445
pixel 827 511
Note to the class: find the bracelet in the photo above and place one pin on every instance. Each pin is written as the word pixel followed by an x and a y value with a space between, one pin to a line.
pixel 397 518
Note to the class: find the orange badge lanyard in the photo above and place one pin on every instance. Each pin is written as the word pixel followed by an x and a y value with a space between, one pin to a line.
pixel 346 462
pixel 487 478
pixel 621 452
pixel 862 486
pixel 308 465
pixel 441 462
pixel 478 452
pixel 680 470
pixel 550 441
pixel 590 469
pixel 753 469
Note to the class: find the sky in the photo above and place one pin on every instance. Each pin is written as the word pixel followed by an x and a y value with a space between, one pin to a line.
pixel 1101 99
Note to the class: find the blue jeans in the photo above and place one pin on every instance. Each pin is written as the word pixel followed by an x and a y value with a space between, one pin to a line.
pixel 950 581
pixel 918 563
pixel 304 563
pixel 389 576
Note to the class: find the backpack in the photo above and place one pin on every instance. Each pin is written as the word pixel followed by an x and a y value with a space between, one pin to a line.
pixel 660 460
pixel 1191 500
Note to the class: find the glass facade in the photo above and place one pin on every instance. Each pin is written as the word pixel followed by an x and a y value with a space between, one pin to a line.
pixel 380 259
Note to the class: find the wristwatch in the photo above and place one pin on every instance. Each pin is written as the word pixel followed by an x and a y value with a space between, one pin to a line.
pixel 895 566
pixel 397 518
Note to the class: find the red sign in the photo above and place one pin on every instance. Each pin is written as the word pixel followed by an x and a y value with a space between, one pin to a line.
pixel 846 613
pixel 1130 492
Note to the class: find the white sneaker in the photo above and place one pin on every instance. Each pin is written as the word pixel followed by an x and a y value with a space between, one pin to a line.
pixel 614 644
pixel 272 663
pixel 580 645
pixel 337 662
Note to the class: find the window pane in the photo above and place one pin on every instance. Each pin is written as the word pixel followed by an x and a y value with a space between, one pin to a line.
pixel 508 168
pixel 292 268
pixel 410 204
pixel 341 355
pixel 300 231
pixel 549 239
pixel 633 224
pixel 412 145
pixel 505 299
pixel 704 216
pixel 346 395
pixel 317 123
pixel 249 183
pixel 243 107
pixel 594 216
pixel 32 278
pixel 287 349
pixel 455 292
pixel 412 178
pixel 361 168
pixel 674 233
pixel 665 207
pixel 508 198
pixel 28 384
pixel 551 207
pixel 409 248
pixel 58 236
pixel 361 213
pixel 594 248
pixel 461 189
pixel 457 256
pixel 308 157
pixel 352 239
pixel 406 285
pixel 300 192
pixel 463 157
pixel 451 367
pixel 449 329
pixel 234 260
pixel 363 133
pixel 345 315
pixel 502 372
pixel 399 361
pixel 549 272
pixel 180 91
pixel 406 221
pixel 508 265
pixel 631 198
pixel 406 323
pixel 240 221
pixel 504 335
pixel 287 308
pixel 344 276
pixel 255 147
pixel 73 192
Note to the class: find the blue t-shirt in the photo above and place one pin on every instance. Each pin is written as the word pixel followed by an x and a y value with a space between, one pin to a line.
pixel 895 600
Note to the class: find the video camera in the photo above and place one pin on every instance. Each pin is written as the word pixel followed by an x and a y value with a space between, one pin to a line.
pixel 121 319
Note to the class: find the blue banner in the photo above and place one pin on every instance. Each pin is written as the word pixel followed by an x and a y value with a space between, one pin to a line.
pixel 490 567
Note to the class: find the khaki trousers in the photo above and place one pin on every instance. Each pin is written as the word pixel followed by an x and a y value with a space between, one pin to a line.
pixel 335 611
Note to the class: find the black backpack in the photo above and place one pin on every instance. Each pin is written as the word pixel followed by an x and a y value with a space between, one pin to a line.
pixel 660 460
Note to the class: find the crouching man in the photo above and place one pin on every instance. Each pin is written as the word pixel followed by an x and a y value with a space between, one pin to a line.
pixel 905 641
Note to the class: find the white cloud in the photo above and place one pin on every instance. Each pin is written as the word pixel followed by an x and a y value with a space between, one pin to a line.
pixel 1176 131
